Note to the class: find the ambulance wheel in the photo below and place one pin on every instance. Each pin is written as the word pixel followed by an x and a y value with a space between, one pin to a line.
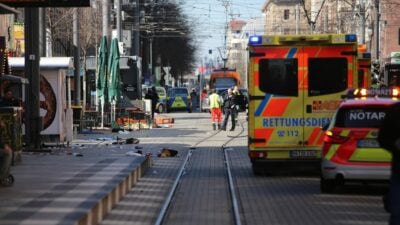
pixel 327 186
pixel 386 202
pixel 8 181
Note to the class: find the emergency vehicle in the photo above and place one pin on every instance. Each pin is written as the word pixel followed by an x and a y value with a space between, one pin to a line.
pixel 295 85
pixel 178 98
pixel 224 78
pixel 350 149
pixel 364 70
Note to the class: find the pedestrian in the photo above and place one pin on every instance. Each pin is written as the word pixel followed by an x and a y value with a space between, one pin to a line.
pixel 193 98
pixel 238 100
pixel 215 108
pixel 153 96
pixel 236 90
pixel 389 138
pixel 9 100
pixel 229 108
pixel 5 154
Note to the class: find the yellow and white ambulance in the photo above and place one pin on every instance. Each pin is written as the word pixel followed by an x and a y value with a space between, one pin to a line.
pixel 295 84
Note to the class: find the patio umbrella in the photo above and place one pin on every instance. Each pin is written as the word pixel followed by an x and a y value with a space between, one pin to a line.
pixel 114 87
pixel 102 75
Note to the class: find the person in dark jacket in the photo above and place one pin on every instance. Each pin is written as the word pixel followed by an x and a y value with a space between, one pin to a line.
pixel 153 96
pixel 229 107
pixel 9 100
pixel 5 154
pixel 389 138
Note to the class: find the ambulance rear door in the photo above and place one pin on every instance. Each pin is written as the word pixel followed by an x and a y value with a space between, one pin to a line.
pixel 293 92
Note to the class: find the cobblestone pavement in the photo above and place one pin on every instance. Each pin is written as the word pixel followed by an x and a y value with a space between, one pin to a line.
pixel 81 184
pixel 202 196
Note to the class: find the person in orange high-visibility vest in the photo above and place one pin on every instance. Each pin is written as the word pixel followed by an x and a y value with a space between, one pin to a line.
pixel 215 108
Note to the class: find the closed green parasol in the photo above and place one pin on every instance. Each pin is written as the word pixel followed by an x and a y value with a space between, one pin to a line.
pixel 102 74
pixel 114 86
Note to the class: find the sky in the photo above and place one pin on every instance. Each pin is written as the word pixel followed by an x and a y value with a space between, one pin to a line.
pixel 210 16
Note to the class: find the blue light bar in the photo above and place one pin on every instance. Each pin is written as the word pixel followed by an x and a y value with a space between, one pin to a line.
pixel 366 55
pixel 351 38
pixel 255 40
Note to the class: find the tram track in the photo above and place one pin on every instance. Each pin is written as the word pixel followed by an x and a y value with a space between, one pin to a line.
pixel 235 205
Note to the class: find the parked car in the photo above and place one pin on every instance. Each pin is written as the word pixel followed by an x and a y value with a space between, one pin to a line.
pixel 350 150
pixel 178 98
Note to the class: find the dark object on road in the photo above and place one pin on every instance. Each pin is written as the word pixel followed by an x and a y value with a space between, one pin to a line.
pixel 132 141
pixel 139 152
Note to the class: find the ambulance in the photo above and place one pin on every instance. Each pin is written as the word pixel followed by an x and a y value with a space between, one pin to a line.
pixel 364 70
pixel 295 85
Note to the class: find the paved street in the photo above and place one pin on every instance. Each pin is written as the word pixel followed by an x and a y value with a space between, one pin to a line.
pixel 64 188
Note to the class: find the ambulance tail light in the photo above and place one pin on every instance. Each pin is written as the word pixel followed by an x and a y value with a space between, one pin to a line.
pixel 257 154
pixel 332 138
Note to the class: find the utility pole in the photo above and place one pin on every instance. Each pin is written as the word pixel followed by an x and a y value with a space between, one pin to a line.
pixel 376 33
pixel 136 46
pixel 362 24
pixel 119 30
pixel 136 29
pixel 33 125
pixel 297 18
pixel 42 31
pixel 106 19
pixel 77 77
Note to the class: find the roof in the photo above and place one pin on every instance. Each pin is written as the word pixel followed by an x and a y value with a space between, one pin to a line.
pixel 237 24
pixel 4 9
pixel 348 103
pixel 14 79
pixel 45 62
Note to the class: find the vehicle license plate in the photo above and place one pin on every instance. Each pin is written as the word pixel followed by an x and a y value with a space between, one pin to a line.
pixel 368 143
pixel 303 154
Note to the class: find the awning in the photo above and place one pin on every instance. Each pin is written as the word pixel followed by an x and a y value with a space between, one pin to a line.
pixel 14 79
pixel 4 9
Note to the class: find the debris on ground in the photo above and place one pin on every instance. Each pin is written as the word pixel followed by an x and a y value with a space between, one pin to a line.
pixel 166 152
pixel 132 141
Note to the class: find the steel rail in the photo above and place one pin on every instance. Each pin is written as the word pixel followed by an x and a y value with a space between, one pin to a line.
pixel 163 211
pixel 232 191
pixel 235 205
pixel 171 193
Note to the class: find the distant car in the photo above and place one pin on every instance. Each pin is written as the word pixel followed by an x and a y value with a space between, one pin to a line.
pixel 178 98
pixel 350 150
pixel 162 97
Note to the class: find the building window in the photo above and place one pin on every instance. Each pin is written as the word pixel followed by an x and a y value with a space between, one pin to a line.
pixel 286 14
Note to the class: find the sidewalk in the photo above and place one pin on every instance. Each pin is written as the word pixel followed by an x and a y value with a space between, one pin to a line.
pixel 78 185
